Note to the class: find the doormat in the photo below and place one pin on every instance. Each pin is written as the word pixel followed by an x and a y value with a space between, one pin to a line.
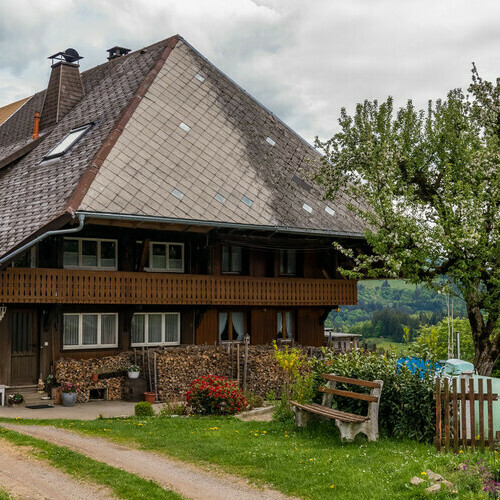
pixel 38 407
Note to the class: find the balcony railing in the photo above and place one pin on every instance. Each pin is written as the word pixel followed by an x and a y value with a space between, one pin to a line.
pixel 23 285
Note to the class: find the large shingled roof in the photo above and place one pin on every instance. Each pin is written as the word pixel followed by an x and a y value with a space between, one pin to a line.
pixel 173 137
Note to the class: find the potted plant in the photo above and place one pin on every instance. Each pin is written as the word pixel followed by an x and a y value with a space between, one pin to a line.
pixel 150 397
pixel 133 371
pixel 15 399
pixel 69 393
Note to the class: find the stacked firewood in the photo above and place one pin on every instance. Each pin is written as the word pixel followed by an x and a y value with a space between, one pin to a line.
pixel 111 371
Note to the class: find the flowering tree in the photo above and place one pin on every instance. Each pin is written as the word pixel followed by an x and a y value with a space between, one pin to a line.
pixel 430 185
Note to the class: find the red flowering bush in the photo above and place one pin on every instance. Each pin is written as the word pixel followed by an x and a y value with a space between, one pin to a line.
pixel 211 395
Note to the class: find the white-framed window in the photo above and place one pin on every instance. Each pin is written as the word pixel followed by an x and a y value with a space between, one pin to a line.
pixel 68 142
pixel 90 330
pixel 90 253
pixel 166 256
pixel 288 262
pixel 156 328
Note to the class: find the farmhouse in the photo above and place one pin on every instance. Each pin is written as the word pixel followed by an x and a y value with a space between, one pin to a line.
pixel 151 201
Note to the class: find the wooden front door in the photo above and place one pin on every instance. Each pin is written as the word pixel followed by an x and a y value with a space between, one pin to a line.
pixel 25 347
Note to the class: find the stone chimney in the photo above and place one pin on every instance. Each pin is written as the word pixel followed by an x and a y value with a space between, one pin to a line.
pixel 65 87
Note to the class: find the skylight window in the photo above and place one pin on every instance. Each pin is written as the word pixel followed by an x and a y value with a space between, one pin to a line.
pixel 220 198
pixel 270 141
pixel 329 210
pixel 199 77
pixel 68 142
pixel 185 127
pixel 177 193
pixel 307 208
pixel 247 201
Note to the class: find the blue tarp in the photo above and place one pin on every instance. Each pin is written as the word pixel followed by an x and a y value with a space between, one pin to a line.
pixel 415 364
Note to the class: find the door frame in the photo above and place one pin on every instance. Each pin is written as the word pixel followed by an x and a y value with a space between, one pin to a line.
pixel 36 341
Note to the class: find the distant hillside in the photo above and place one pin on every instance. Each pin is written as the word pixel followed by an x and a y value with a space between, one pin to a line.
pixel 386 306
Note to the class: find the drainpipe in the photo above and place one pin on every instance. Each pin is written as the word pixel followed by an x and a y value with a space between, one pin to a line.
pixel 81 219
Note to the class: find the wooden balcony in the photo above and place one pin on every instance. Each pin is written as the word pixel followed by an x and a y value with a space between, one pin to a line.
pixel 23 285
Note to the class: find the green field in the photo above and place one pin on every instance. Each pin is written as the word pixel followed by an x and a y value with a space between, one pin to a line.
pixel 385 344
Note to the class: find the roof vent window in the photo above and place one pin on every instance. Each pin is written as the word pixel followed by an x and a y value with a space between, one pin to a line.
pixel 177 193
pixel 220 198
pixel 247 201
pixel 185 127
pixel 307 208
pixel 270 141
pixel 199 77
pixel 329 210
pixel 68 142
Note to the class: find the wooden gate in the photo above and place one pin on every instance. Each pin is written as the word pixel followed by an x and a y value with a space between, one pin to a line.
pixel 24 347
pixel 456 414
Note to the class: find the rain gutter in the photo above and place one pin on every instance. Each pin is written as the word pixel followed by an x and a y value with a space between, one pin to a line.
pixel 231 225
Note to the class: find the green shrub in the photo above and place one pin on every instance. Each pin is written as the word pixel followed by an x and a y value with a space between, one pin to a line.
pixel 254 400
pixel 170 409
pixel 212 395
pixel 144 409
pixel 407 408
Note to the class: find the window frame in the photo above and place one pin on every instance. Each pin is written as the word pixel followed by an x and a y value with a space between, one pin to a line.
pixel 166 269
pixel 146 330
pixel 99 345
pixel 231 248
pixel 283 253
pixel 230 327
pixel 99 257
pixel 284 333
pixel 83 129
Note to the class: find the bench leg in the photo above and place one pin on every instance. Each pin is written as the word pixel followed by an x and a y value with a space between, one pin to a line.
pixel 349 430
pixel 301 417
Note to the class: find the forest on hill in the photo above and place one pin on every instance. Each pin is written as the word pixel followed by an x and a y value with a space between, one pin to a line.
pixel 386 307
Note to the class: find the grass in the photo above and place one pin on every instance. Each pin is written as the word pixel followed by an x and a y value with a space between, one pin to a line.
pixel 399 347
pixel 123 484
pixel 4 495
pixel 311 463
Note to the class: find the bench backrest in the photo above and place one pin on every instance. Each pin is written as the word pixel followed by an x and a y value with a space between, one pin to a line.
pixel 330 390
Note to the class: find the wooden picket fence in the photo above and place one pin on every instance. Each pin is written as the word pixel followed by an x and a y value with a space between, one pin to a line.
pixel 458 422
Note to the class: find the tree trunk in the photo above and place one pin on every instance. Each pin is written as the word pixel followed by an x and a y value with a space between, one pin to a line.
pixel 485 356
pixel 485 349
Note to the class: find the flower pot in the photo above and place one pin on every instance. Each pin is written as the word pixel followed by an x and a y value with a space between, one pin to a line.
pixel 56 395
pixel 150 397
pixel 133 374
pixel 68 398
pixel 95 377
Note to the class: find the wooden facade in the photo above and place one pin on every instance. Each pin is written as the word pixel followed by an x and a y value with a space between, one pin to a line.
pixel 257 293
pixel 61 286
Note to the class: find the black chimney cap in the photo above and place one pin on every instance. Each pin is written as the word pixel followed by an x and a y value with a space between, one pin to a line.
pixel 69 55
pixel 117 51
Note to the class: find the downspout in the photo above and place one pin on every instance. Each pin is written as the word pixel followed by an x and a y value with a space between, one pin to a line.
pixel 81 219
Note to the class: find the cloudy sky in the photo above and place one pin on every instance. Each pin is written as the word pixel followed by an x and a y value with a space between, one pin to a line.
pixel 303 59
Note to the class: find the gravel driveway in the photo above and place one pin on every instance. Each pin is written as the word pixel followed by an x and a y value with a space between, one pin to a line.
pixel 186 480
pixel 28 478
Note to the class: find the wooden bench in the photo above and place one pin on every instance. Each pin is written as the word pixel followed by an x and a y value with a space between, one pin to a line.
pixel 349 424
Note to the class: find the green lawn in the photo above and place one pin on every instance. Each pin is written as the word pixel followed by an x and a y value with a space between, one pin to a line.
pixel 123 484
pixel 4 495
pixel 311 463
